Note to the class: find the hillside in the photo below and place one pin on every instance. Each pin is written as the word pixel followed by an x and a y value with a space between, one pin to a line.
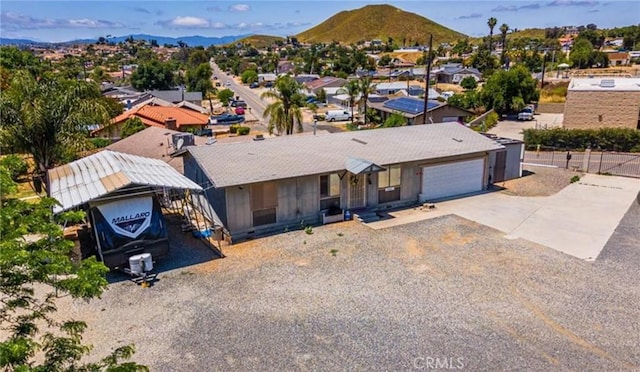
pixel 378 22
pixel 259 41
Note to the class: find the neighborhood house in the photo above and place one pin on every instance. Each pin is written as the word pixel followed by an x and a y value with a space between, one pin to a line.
pixel 261 186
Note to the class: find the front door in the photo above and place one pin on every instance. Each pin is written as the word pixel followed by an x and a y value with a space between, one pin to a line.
pixel 357 191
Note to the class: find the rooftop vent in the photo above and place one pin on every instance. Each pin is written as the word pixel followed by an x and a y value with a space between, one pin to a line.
pixel 607 83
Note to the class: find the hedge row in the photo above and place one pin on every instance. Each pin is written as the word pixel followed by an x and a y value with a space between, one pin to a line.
pixel 607 139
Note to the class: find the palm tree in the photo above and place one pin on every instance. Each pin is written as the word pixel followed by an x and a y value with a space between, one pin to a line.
pixel 352 89
pixel 285 112
pixel 492 22
pixel 49 117
pixel 366 87
pixel 504 28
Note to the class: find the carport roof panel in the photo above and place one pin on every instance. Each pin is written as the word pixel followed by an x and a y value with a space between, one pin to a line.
pixel 242 163
pixel 91 177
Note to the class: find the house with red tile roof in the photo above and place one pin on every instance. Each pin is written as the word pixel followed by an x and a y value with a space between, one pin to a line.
pixel 324 82
pixel 174 118
pixel 618 58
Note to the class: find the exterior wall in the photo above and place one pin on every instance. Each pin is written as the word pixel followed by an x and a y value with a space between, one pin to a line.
pixel 299 198
pixel 216 197
pixel 515 155
pixel 440 113
pixel 602 109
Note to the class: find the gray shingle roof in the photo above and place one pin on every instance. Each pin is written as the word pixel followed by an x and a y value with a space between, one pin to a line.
pixel 243 163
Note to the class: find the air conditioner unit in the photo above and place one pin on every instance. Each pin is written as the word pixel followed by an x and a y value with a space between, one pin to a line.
pixel 181 140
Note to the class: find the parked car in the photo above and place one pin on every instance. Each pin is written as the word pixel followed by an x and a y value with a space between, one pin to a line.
pixel 228 84
pixel 526 113
pixel 238 103
pixel 239 110
pixel 254 85
pixel 226 119
pixel 268 84
pixel 338 115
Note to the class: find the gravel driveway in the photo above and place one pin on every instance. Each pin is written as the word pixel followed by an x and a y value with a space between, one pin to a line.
pixel 348 297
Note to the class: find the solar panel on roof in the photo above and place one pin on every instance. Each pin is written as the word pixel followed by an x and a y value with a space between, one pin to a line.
pixel 409 105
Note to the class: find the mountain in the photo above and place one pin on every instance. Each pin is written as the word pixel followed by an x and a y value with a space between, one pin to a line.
pixel 196 40
pixel 378 22
pixel 260 41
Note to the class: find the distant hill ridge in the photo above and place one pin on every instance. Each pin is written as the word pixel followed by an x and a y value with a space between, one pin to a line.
pixel 195 40
pixel 379 22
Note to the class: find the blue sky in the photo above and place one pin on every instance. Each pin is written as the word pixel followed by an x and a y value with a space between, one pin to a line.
pixel 67 20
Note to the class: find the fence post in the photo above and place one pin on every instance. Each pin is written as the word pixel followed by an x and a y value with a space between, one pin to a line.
pixel 600 165
pixel 553 154
pixel 586 159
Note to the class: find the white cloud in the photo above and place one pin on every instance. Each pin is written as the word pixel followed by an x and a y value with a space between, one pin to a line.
pixel 189 21
pixel 14 21
pixel 239 8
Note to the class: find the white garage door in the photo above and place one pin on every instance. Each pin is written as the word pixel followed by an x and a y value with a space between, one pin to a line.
pixel 441 181
pixel 448 119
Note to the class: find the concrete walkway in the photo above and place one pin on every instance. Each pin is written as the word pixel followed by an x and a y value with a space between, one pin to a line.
pixel 579 220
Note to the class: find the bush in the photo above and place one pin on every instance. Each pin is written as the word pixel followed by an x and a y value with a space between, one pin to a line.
pixel 607 139
pixel 100 142
pixel 234 128
pixel 574 179
pixel 243 131
pixel 15 165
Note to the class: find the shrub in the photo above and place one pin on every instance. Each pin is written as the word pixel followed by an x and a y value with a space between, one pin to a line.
pixel 243 131
pixel 15 165
pixel 100 142
pixel 607 139
pixel 574 179
pixel 234 128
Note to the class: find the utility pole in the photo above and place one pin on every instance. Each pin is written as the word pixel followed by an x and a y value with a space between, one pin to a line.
pixel 428 77
pixel 544 65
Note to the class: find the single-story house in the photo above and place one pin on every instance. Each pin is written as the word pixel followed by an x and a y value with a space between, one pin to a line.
pixel 602 103
pixel 176 96
pixel 265 186
pixel 267 78
pixel 325 82
pixel 158 143
pixel 174 118
pixel 413 110
pixel 305 78
pixel 397 86
pixel 453 73
pixel 148 99
pixel 619 58
pixel 285 67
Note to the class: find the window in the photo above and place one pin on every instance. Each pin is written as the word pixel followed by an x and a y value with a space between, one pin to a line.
pixel 330 192
pixel 389 184
pixel 264 200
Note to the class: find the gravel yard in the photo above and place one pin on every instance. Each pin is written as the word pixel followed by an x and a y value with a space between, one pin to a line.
pixel 538 181
pixel 351 298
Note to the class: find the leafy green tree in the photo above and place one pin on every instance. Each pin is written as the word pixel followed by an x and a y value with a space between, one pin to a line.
pixel 351 89
pixel 32 339
pixel 225 96
pixel 198 57
pixel 385 60
pixel 484 61
pixel 15 165
pixel 469 83
pixel 153 75
pixel 113 106
pixel 581 54
pixel 55 120
pixel 321 95
pixel 394 120
pixel 199 80
pixel 504 88
pixel 492 22
pixel 249 76
pixel 13 59
pixel 132 126
pixel 284 114
pixel 366 87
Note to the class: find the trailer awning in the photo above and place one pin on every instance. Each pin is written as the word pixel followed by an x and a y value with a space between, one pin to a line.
pixel 107 171
pixel 357 166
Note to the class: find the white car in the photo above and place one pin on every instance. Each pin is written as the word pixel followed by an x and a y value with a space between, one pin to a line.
pixel 228 84
pixel 526 114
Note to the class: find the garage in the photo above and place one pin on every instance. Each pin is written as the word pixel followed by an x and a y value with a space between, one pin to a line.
pixel 451 179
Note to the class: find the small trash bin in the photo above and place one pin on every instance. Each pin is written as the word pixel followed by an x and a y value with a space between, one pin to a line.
pixel 347 215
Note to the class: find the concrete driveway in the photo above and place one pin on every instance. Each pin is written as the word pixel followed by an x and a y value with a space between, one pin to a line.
pixel 512 128
pixel 579 220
